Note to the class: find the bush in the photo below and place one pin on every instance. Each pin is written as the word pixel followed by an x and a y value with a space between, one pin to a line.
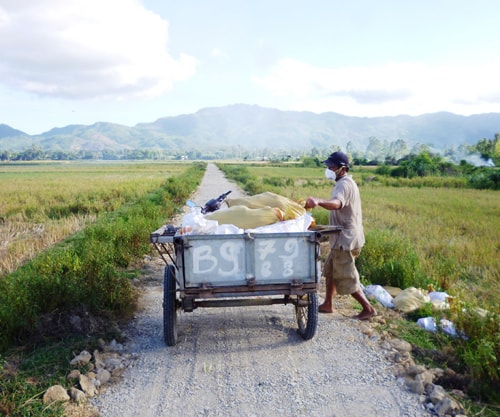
pixel 480 349
pixel 484 178
pixel 310 162
pixel 388 259
pixel 383 170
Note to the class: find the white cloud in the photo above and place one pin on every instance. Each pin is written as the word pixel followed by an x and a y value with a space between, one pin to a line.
pixel 219 53
pixel 87 49
pixel 390 89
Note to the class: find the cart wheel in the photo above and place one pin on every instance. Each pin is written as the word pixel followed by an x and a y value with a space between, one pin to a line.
pixel 169 306
pixel 306 311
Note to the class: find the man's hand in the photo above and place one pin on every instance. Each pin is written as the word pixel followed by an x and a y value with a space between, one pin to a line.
pixel 311 202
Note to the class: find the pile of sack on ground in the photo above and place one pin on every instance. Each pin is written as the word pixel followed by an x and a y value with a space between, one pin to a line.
pixel 412 299
pixel 262 213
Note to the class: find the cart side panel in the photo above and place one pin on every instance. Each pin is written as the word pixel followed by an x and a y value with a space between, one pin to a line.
pixel 217 260
pixel 259 259
pixel 283 258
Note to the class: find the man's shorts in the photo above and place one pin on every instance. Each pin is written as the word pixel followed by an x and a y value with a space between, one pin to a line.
pixel 341 268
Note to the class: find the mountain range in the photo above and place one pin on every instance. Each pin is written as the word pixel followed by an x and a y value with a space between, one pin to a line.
pixel 253 127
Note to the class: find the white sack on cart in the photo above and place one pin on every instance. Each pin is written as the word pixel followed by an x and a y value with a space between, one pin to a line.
pixel 228 229
pixel 197 224
pixel 300 224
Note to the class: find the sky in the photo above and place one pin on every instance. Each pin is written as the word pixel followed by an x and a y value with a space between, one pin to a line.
pixel 66 62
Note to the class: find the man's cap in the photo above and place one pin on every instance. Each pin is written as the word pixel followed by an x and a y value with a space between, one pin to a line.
pixel 338 159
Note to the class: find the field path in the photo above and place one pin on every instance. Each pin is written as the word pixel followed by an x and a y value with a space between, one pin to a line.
pixel 249 361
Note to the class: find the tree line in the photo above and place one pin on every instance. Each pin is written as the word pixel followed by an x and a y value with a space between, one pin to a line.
pixel 377 152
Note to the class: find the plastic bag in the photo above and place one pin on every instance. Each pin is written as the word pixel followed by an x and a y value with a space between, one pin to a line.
pixel 291 209
pixel 427 323
pixel 195 223
pixel 379 293
pixel 448 327
pixel 438 295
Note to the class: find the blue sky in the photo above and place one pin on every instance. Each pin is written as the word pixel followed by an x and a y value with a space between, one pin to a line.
pixel 128 61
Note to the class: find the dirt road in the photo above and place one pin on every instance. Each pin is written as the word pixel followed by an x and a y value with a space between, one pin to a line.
pixel 249 361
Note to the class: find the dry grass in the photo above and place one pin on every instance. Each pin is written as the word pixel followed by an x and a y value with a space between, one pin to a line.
pixel 21 241
pixel 454 231
pixel 43 203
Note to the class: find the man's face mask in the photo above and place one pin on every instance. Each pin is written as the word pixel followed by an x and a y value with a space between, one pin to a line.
pixel 330 175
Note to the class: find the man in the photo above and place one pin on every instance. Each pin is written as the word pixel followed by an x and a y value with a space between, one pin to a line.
pixel 345 210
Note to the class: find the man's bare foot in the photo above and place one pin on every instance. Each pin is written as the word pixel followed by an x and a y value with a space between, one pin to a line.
pixel 365 314
pixel 325 308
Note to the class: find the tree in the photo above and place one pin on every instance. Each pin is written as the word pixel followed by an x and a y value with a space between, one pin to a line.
pixel 421 165
pixel 5 156
pixel 350 148
pixel 398 149
pixel 35 153
pixel 419 148
pixel 488 149
pixel 375 150
pixel 496 150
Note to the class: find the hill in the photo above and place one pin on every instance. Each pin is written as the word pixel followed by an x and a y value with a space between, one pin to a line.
pixel 253 127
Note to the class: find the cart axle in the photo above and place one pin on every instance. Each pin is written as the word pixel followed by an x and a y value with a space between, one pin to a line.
pixel 242 302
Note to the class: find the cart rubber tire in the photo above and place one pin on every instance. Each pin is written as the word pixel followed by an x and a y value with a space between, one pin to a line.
pixel 307 316
pixel 169 306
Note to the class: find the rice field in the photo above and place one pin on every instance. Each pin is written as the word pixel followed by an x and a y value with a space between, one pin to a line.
pixel 42 203
pixel 454 231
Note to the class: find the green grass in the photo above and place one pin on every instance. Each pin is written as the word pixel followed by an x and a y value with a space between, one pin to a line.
pixel 26 377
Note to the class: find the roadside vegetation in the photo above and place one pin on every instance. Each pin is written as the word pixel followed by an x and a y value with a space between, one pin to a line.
pixel 425 231
pixel 88 272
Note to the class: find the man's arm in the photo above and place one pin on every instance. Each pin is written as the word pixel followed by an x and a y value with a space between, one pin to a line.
pixel 332 204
